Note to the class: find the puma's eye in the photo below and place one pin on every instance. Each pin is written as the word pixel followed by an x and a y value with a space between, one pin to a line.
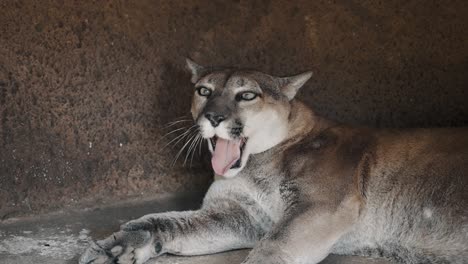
pixel 203 91
pixel 246 96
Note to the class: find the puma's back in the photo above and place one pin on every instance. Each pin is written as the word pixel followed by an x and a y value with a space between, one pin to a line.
pixel 415 208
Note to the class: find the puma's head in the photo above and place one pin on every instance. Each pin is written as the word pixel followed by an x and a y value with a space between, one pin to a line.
pixel 241 112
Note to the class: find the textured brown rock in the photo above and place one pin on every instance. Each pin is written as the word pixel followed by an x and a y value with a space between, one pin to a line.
pixel 86 87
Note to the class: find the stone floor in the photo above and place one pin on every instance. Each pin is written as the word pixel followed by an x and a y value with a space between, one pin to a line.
pixel 59 238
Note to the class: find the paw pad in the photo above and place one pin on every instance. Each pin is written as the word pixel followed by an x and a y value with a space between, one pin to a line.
pixel 158 247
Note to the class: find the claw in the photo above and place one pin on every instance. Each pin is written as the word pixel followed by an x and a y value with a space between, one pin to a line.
pixel 115 248
pixel 95 254
pixel 127 257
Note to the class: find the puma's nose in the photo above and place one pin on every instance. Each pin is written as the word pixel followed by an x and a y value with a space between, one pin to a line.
pixel 214 118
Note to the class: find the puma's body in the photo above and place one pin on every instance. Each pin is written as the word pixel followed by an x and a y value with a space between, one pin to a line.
pixel 322 188
pixel 404 191
pixel 414 189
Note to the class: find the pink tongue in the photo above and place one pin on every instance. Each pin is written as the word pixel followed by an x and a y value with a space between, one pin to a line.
pixel 225 154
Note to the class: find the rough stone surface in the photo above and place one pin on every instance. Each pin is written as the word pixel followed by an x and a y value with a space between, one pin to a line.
pixel 87 86
pixel 61 238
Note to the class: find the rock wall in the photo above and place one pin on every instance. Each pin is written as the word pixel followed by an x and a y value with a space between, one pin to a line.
pixel 86 87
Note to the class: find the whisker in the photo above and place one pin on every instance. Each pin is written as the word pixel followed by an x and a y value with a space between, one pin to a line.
pixel 191 147
pixel 183 147
pixel 199 139
pixel 182 116
pixel 176 122
pixel 187 135
pixel 171 132
pixel 200 146
pixel 180 137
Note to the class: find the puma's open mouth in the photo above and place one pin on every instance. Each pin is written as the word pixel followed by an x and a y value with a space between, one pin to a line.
pixel 227 154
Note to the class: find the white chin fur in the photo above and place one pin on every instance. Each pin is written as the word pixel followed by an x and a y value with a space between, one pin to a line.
pixel 206 129
pixel 222 131
pixel 232 172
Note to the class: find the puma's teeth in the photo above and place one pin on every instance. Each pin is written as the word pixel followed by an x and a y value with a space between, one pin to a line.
pixel 213 141
pixel 242 147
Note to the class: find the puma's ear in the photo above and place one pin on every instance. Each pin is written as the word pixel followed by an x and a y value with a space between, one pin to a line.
pixel 196 70
pixel 290 85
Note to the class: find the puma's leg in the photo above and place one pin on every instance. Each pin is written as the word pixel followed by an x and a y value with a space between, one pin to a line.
pixel 305 237
pixel 205 231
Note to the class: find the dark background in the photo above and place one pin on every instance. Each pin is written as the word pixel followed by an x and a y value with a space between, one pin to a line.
pixel 87 86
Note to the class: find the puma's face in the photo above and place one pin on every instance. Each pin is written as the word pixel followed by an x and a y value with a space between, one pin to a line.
pixel 240 113
pixel 239 117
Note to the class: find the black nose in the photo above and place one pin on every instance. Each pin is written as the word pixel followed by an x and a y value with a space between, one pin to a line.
pixel 214 118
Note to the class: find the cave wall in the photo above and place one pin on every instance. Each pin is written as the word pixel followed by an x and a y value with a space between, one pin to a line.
pixel 86 87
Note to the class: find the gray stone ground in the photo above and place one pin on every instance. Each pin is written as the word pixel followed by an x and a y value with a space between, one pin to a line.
pixel 59 238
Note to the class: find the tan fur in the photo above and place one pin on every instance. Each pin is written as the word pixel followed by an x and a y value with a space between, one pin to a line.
pixel 308 186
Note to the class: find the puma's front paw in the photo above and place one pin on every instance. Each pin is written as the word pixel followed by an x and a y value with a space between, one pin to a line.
pixel 128 256
pixel 123 247
pixel 95 254
pixel 139 255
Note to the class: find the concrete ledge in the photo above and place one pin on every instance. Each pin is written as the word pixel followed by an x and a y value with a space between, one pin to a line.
pixel 61 237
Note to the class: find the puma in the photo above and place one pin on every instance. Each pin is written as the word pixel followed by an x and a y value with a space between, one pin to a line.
pixel 297 187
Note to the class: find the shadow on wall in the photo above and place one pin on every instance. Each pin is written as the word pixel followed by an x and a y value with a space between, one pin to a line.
pixel 87 88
